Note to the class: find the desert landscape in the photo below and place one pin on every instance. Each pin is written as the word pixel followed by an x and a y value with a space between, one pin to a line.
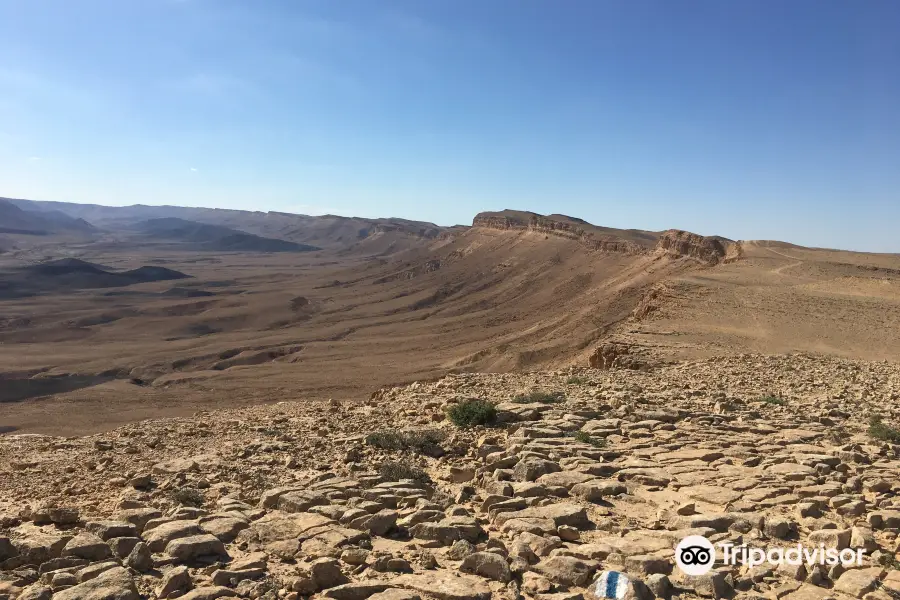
pixel 117 314
pixel 202 403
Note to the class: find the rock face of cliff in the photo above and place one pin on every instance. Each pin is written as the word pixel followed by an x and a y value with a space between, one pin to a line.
pixel 674 242
pixel 603 241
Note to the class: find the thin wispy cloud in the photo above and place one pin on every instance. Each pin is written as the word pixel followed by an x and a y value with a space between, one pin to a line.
pixel 193 169
pixel 34 158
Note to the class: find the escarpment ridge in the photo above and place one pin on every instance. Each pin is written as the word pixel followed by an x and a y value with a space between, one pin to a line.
pixel 672 242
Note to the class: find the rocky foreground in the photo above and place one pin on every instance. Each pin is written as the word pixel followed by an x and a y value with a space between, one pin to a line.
pixel 584 471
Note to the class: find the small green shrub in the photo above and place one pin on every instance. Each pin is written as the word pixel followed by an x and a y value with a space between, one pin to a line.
pixel 586 438
pixel 422 438
pixel 395 471
pixel 889 561
pixel 539 396
pixel 576 380
pixel 469 413
pixel 879 430
pixel 426 441
pixel 187 496
pixel 386 440
pixel 837 436
pixel 775 400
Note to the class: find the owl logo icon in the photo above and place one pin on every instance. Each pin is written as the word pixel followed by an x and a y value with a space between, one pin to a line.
pixel 695 555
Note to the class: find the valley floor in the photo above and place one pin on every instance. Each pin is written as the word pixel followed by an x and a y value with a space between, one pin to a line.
pixel 248 328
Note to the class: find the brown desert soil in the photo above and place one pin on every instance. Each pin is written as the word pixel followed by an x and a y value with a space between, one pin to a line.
pixel 251 328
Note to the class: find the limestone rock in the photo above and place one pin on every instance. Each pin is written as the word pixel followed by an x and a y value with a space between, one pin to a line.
pixel 859 582
pixel 87 546
pixel 176 580
pixel 445 586
pixel 187 549
pixel 566 570
pixel 114 584
pixel 487 564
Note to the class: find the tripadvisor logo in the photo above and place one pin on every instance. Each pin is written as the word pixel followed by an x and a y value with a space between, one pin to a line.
pixel 695 555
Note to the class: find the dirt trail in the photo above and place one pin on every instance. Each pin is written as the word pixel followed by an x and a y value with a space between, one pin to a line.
pixel 780 270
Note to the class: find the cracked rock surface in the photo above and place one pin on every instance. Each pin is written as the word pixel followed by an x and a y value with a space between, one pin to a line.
pixel 583 471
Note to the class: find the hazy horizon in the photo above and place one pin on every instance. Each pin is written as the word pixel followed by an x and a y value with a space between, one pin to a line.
pixel 751 120
pixel 467 222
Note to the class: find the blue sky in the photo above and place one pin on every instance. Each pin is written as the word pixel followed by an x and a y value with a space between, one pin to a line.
pixel 753 119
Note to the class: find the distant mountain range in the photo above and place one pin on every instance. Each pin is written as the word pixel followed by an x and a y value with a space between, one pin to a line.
pixel 15 219
pixel 205 237
pixel 326 231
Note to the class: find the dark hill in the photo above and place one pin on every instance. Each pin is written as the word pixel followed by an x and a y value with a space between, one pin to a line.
pixel 203 236
pixel 72 274
pixel 147 274
pixel 67 266
pixel 16 220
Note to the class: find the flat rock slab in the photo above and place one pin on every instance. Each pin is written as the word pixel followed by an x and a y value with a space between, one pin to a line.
pixel 336 483
pixel 796 436
pixel 449 530
pixel 396 594
pixel 596 490
pixel 445 586
pixel 191 547
pixel 561 514
pixel 648 476
pixel 269 498
pixel 567 570
pixel 719 521
pixel 809 592
pixel 357 590
pixel 162 535
pixel 530 525
pixel 787 468
pixel 277 526
pixel 38 545
pixel 107 530
pixel 325 541
pixel 209 593
pixel 301 501
pixel 859 582
pixel 87 546
pixel 178 465
pixel 636 543
pixel 688 455
pixel 223 527
pixel 711 494
pixel 114 584
pixel 565 479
